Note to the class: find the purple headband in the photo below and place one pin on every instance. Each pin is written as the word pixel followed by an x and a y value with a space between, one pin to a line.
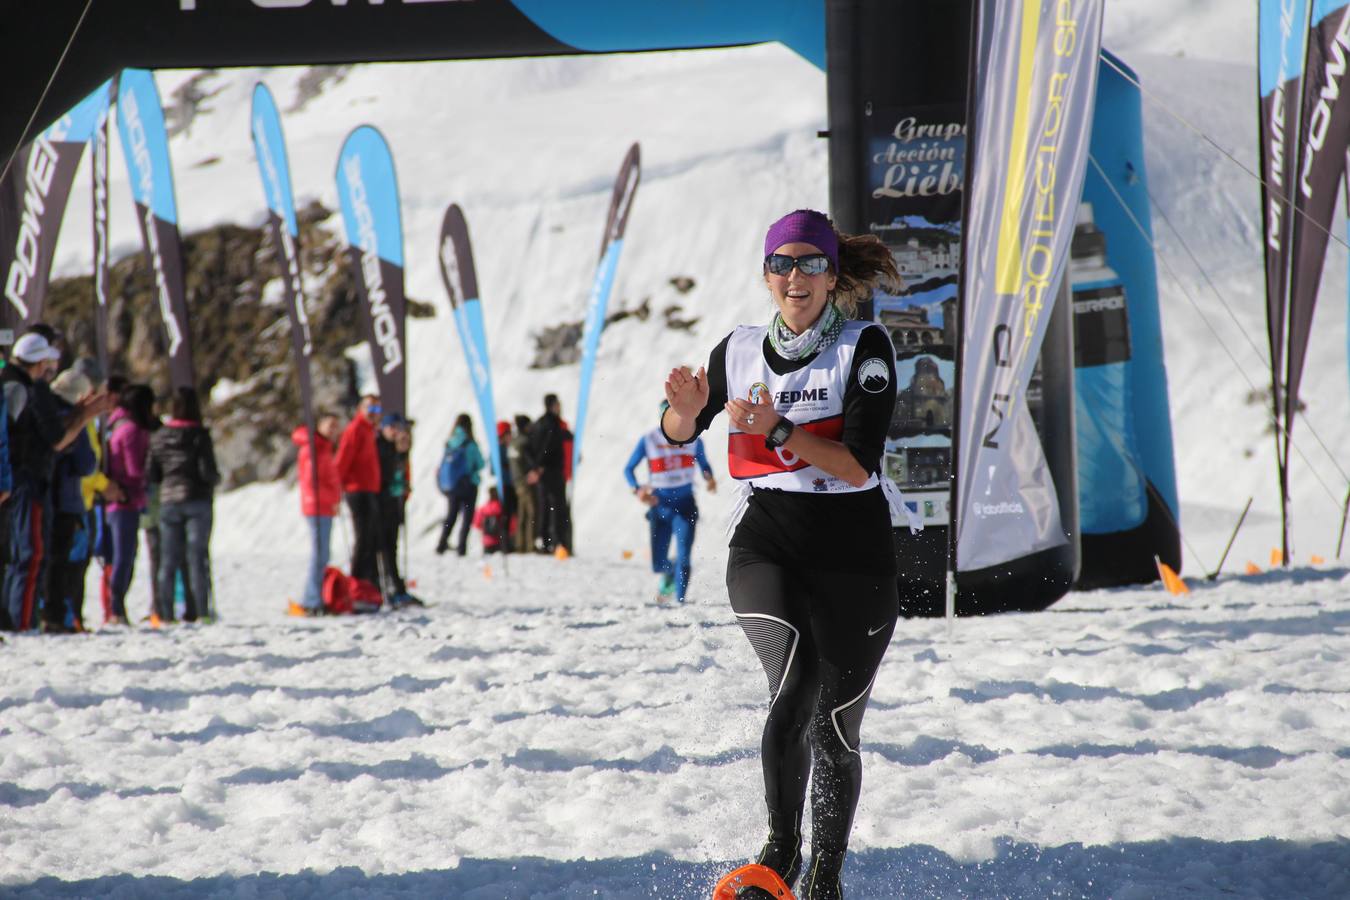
pixel 805 226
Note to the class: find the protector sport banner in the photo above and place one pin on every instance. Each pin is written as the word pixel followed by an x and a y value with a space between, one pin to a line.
pixel 461 283
pixel 269 146
pixel 1324 136
pixel 368 192
pixel 33 199
pixel 915 166
pixel 99 202
pixel 611 245
pixel 1282 41
pixel 1032 123
pixel 145 143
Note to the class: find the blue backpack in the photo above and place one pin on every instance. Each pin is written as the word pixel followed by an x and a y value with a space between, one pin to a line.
pixel 446 473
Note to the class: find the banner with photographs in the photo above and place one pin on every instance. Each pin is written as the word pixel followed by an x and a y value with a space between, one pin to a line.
pixel 915 166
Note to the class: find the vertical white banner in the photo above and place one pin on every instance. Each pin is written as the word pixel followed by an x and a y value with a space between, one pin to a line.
pixel 1032 127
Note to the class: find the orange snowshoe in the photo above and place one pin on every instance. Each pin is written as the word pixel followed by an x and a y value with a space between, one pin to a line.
pixel 752 882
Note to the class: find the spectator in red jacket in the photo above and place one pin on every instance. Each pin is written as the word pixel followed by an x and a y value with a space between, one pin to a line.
pixel 358 467
pixel 320 497
pixel 491 519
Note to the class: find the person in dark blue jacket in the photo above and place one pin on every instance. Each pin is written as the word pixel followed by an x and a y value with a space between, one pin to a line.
pixel 669 494
pixel 62 602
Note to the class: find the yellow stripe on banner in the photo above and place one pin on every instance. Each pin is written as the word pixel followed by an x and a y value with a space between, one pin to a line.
pixel 1008 274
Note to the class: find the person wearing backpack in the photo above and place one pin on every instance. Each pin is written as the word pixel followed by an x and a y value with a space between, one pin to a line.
pixel 182 462
pixel 458 480
pixel 492 520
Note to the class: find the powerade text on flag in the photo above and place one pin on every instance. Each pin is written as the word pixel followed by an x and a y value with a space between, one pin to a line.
pixel 1324 135
pixel 1031 130
pixel 611 245
pixel 1282 41
pixel 269 145
pixel 368 192
pixel 461 283
pixel 33 199
pixel 145 143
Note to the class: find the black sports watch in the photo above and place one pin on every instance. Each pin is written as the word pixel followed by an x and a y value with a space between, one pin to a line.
pixel 779 434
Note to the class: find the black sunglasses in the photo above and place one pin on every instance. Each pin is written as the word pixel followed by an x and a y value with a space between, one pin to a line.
pixel 810 264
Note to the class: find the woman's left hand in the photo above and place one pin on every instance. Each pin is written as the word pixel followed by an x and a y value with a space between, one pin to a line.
pixel 752 418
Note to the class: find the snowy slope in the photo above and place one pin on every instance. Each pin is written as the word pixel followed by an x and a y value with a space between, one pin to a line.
pixel 547 734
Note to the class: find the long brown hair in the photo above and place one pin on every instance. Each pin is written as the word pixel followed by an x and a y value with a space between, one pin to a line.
pixel 865 263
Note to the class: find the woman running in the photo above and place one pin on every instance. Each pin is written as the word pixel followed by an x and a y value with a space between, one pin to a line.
pixel 811 572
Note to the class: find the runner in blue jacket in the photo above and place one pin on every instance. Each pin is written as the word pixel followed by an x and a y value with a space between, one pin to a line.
pixel 669 494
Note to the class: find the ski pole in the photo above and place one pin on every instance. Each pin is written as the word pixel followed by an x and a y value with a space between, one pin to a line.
pixel 403 529
pixel 1345 509
pixel 1242 518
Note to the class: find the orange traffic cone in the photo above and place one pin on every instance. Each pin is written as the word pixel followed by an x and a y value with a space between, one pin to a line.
pixel 1171 580
pixel 561 553
pixel 1317 560
pixel 1253 568
pixel 627 554
pixel 155 621
pixel 1276 556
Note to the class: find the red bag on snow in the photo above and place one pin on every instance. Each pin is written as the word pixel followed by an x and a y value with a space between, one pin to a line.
pixel 343 595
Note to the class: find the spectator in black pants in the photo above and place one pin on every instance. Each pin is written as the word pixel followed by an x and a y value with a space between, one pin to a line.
pixel 463 461
pixel 183 463
pixel 392 445
pixel 358 466
pixel 63 601
pixel 37 431
pixel 550 444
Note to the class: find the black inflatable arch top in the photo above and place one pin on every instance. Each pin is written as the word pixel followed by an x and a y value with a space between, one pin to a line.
pixel 117 34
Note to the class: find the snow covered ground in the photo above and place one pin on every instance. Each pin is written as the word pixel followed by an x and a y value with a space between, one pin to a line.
pixel 548 733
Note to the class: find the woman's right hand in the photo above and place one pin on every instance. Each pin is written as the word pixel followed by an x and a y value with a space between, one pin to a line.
pixel 686 392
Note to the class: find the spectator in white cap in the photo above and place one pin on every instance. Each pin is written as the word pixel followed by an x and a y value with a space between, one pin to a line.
pixel 37 432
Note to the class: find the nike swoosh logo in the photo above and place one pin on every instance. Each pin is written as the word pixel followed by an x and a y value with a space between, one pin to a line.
pixel 872 631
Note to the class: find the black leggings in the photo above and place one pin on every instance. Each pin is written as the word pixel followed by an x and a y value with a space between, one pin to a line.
pixel 820 637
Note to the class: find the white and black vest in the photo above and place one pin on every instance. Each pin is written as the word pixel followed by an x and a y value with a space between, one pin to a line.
pixel 668 465
pixel 812 397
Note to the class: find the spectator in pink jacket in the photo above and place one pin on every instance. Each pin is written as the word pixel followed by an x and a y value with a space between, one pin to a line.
pixel 130 427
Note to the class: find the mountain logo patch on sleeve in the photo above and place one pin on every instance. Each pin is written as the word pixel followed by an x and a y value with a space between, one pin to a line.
pixel 874 375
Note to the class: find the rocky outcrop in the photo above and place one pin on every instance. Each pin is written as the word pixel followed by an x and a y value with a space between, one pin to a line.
pixel 240 334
